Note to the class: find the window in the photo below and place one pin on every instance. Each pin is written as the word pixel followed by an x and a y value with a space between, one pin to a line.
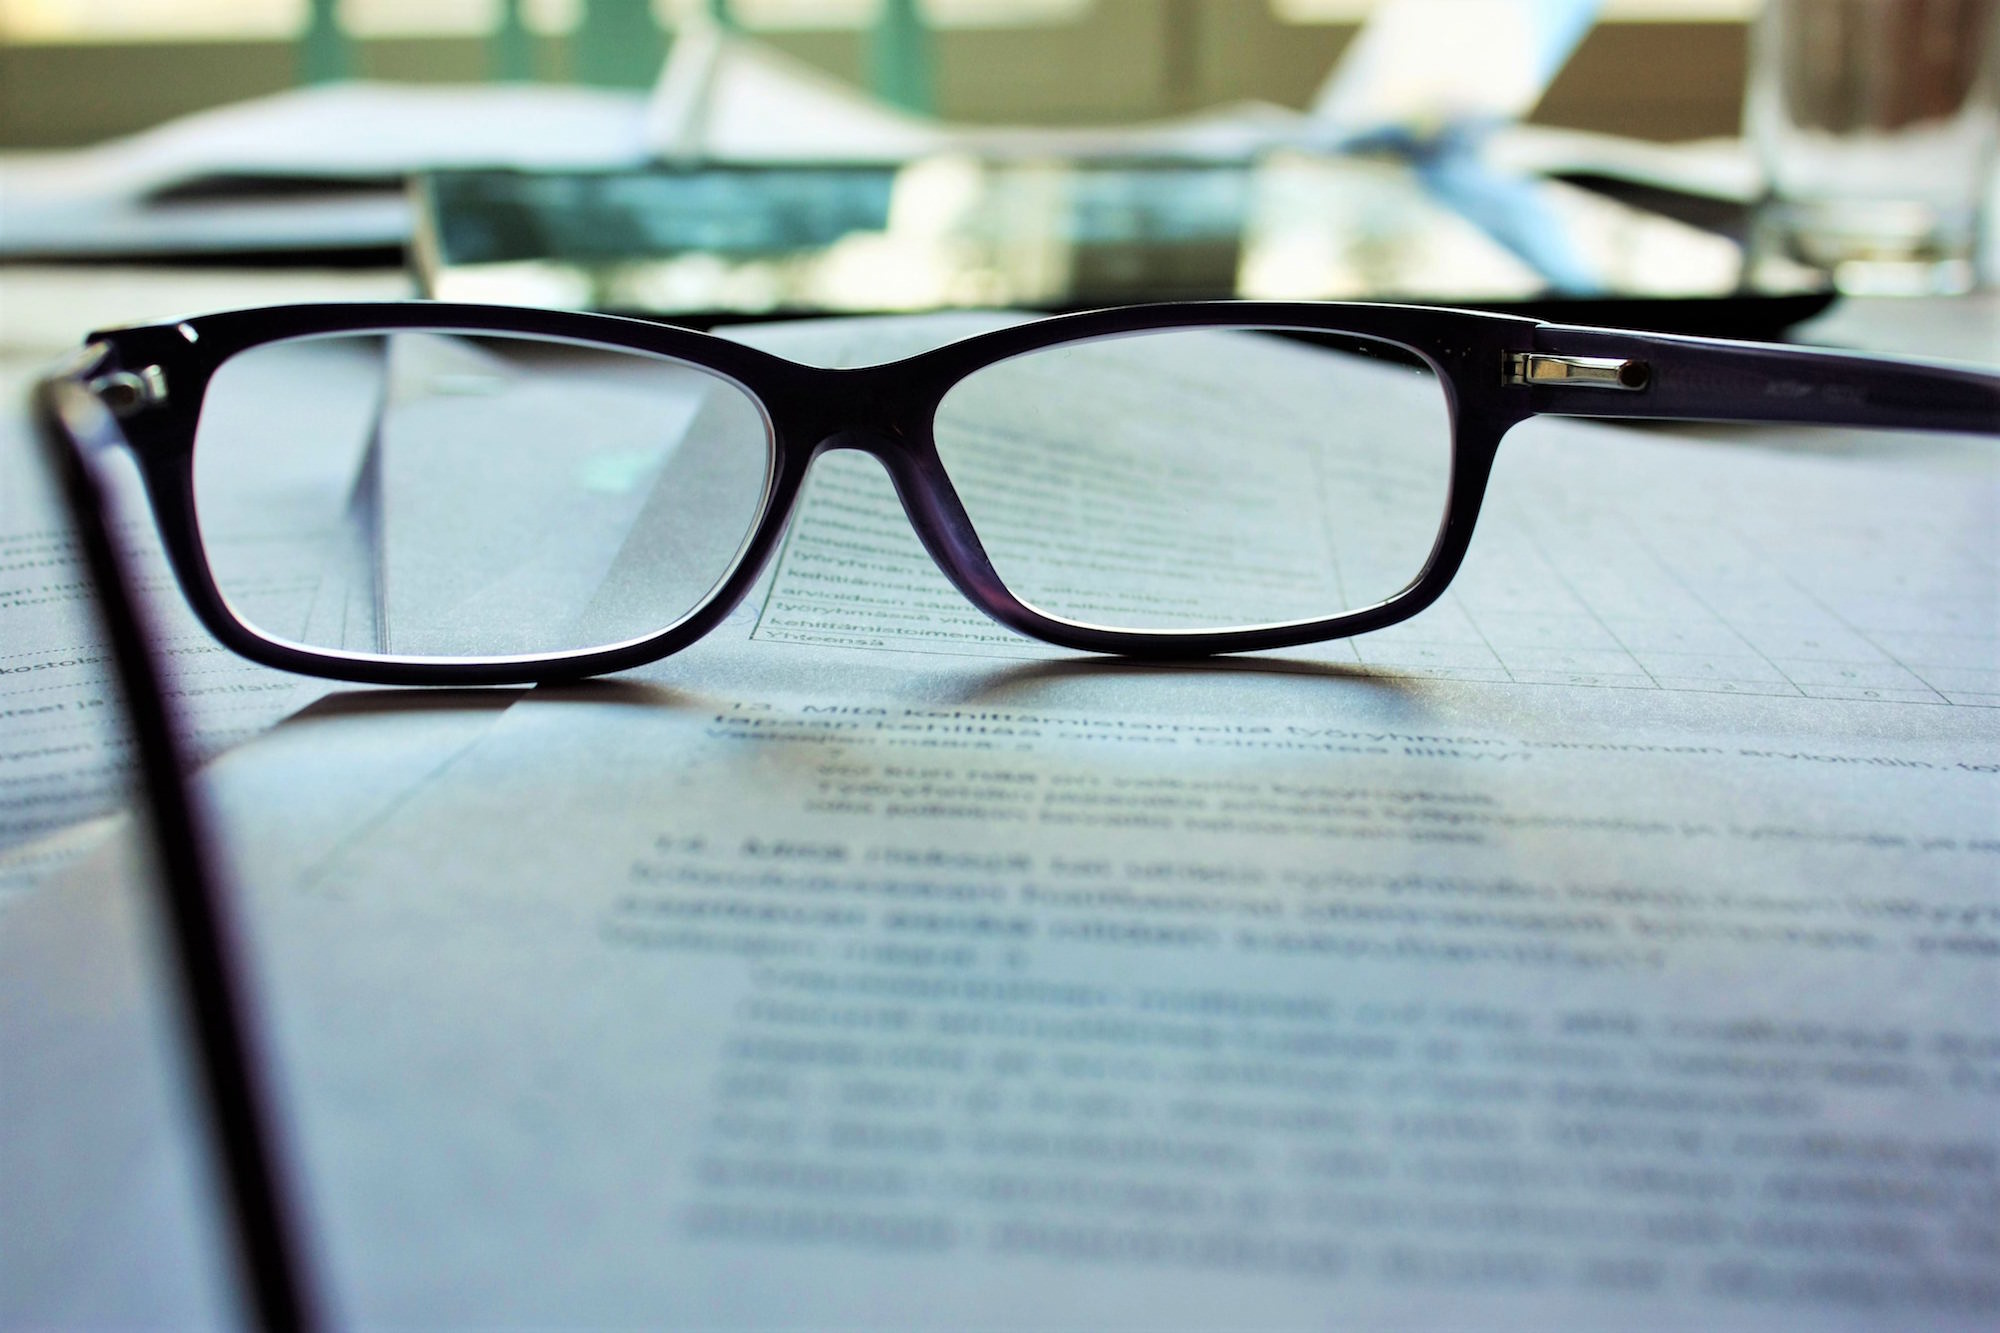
pixel 84 21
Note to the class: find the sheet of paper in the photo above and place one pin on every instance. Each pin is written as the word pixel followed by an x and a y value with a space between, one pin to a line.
pixel 86 1007
pixel 1417 64
pixel 61 762
pixel 1614 945
pixel 1423 63
pixel 54 680
pixel 200 184
pixel 726 97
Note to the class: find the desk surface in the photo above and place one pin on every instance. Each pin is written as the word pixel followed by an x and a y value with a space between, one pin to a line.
pixel 794 985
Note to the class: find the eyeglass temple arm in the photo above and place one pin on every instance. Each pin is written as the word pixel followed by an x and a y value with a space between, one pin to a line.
pixel 1664 377
pixel 70 426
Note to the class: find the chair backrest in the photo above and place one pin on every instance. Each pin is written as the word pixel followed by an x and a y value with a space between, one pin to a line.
pixel 324 52
pixel 899 51
pixel 617 44
pixel 513 50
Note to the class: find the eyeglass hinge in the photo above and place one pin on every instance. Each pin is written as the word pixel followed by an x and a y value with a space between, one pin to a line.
pixel 126 392
pixel 1579 372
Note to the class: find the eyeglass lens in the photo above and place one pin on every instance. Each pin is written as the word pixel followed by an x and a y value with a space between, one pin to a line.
pixel 443 494
pixel 1201 479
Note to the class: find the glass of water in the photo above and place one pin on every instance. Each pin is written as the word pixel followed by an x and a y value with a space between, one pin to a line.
pixel 1875 123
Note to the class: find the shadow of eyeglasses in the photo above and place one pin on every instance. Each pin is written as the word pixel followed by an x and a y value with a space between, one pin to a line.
pixel 1008 682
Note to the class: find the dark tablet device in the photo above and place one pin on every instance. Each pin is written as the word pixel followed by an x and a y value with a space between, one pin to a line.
pixel 704 245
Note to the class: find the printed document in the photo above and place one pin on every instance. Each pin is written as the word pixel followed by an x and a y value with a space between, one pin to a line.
pixel 61 760
pixel 1614 945
pixel 55 681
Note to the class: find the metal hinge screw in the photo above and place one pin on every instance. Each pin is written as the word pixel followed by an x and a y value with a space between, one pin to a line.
pixel 125 392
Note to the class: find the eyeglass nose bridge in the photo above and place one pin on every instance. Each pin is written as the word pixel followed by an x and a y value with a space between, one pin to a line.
pixel 932 505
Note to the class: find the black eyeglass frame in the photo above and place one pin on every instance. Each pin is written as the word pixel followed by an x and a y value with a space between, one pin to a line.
pixel 267 1225
pixel 1495 371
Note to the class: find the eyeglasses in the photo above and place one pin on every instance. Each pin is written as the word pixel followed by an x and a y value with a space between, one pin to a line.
pixel 417 493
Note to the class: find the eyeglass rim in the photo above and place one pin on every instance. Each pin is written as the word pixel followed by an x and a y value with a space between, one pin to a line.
pixel 759 510
pixel 888 410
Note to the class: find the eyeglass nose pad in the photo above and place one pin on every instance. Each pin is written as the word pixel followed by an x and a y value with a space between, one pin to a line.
pixel 941 523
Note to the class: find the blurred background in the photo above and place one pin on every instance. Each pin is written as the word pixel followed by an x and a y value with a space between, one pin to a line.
pixel 77 71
